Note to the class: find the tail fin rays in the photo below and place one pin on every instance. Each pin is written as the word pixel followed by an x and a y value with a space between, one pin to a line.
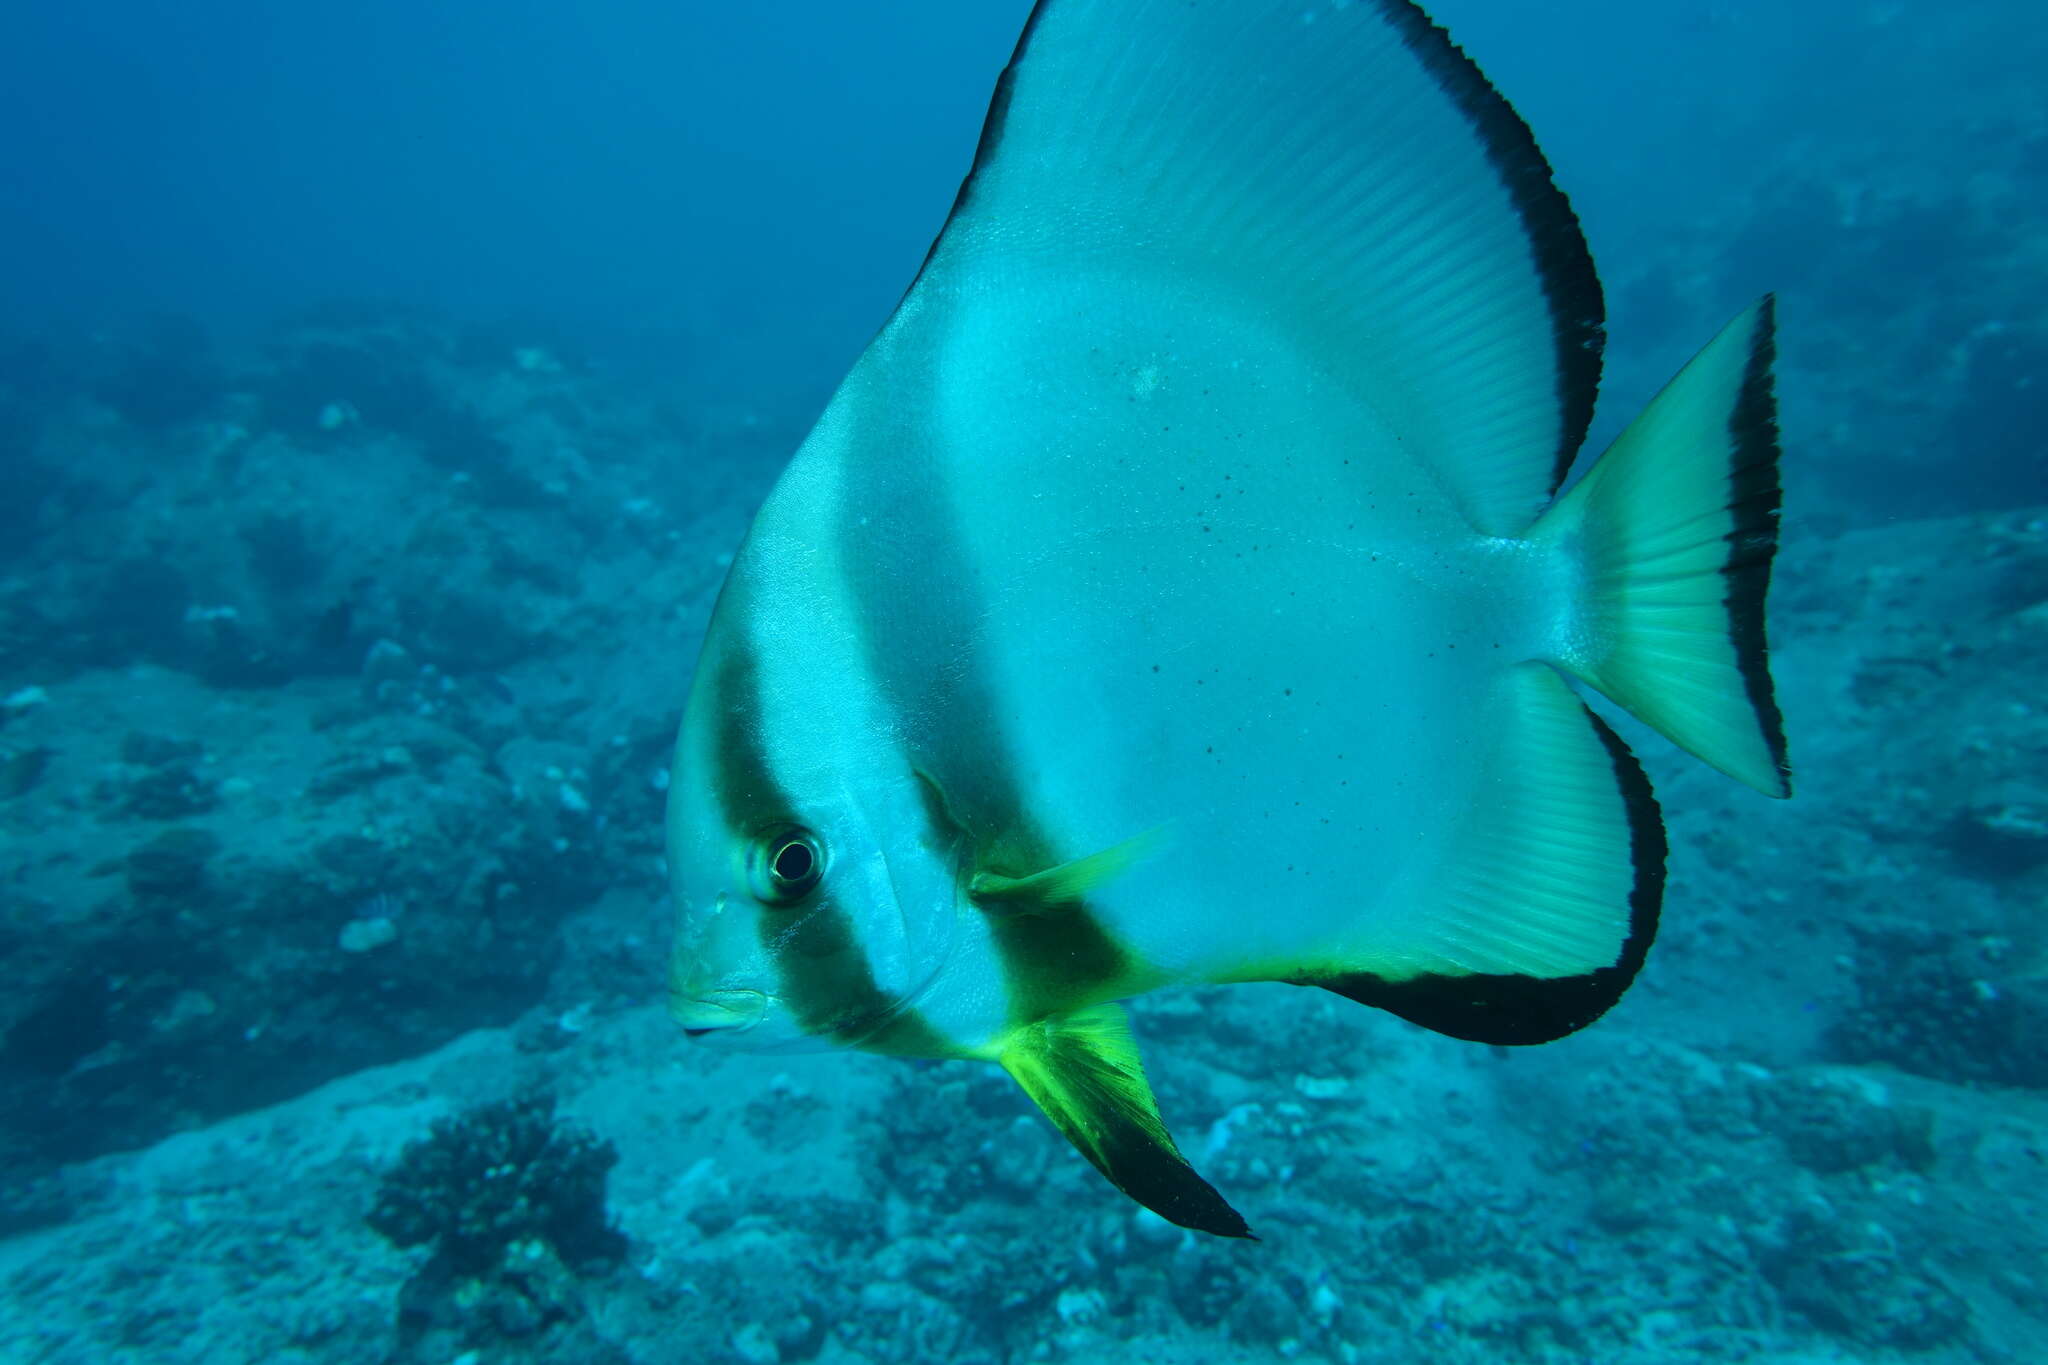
pixel 1674 529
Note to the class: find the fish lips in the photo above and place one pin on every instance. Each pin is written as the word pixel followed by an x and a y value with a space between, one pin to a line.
pixel 723 1013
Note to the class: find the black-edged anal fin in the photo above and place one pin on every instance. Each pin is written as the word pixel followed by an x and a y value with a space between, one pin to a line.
pixel 1083 1070
pixel 1547 899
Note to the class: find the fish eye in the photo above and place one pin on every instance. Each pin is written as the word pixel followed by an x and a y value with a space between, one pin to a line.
pixel 786 865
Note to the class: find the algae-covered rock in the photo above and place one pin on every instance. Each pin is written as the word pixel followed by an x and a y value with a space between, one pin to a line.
pixel 1857 1281
pixel 173 863
pixel 1832 1124
pixel 1948 1006
pixel 21 769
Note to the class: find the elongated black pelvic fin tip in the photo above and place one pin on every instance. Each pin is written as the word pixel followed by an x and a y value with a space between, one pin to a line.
pixel 1082 1070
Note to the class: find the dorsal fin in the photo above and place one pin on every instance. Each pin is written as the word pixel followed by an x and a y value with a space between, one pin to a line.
pixel 1342 168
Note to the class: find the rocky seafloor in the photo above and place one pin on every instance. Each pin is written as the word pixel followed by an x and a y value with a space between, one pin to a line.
pixel 337 682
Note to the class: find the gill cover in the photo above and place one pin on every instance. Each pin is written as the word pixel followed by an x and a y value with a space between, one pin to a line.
pixel 809 911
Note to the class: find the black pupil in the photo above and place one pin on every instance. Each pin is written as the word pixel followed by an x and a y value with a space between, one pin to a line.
pixel 794 861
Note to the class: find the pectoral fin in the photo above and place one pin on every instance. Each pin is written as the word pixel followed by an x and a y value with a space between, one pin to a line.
pixel 1056 887
pixel 1083 1070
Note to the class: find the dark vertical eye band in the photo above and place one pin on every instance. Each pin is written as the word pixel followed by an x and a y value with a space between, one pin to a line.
pixel 785 865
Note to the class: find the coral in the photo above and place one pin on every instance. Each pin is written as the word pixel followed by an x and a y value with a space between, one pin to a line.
pixel 497 1176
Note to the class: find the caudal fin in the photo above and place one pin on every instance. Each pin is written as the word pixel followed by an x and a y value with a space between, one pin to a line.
pixel 1673 531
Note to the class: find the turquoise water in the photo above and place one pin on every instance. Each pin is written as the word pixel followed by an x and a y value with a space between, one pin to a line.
pixel 382 398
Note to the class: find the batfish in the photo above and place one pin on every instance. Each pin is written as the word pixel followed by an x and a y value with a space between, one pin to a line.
pixel 1187 586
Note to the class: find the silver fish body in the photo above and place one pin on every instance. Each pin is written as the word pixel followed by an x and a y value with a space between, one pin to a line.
pixel 1178 589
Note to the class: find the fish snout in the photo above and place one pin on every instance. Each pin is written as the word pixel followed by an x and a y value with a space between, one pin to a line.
pixel 724 1012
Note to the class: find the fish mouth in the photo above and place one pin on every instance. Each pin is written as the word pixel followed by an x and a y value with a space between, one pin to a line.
pixel 723 1012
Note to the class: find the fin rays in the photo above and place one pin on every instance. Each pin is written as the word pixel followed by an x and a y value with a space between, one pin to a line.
pixel 1381 205
pixel 1083 1072
pixel 1675 529
pixel 1549 898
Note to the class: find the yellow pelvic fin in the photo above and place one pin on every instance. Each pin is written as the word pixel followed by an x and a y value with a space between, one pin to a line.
pixel 1082 1070
pixel 1064 885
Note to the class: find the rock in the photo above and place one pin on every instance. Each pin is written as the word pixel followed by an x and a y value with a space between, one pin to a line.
pixel 1829 1125
pixel 146 750
pixel 361 935
pixel 754 1345
pixel 170 792
pixel 229 651
pixel 21 770
pixel 24 699
pixel 1856 1281
pixel 387 666
pixel 173 863
pixel 797 1336
pixel 1079 1307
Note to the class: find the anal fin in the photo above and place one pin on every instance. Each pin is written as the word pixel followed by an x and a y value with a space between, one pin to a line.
pixel 1082 1070
pixel 1547 900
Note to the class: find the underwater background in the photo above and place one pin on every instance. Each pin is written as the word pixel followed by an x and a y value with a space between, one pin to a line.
pixel 383 391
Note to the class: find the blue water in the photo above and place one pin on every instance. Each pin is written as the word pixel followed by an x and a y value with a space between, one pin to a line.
pixel 649 178
pixel 382 388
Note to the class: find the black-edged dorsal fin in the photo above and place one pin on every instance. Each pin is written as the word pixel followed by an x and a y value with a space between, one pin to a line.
pixel 1348 168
